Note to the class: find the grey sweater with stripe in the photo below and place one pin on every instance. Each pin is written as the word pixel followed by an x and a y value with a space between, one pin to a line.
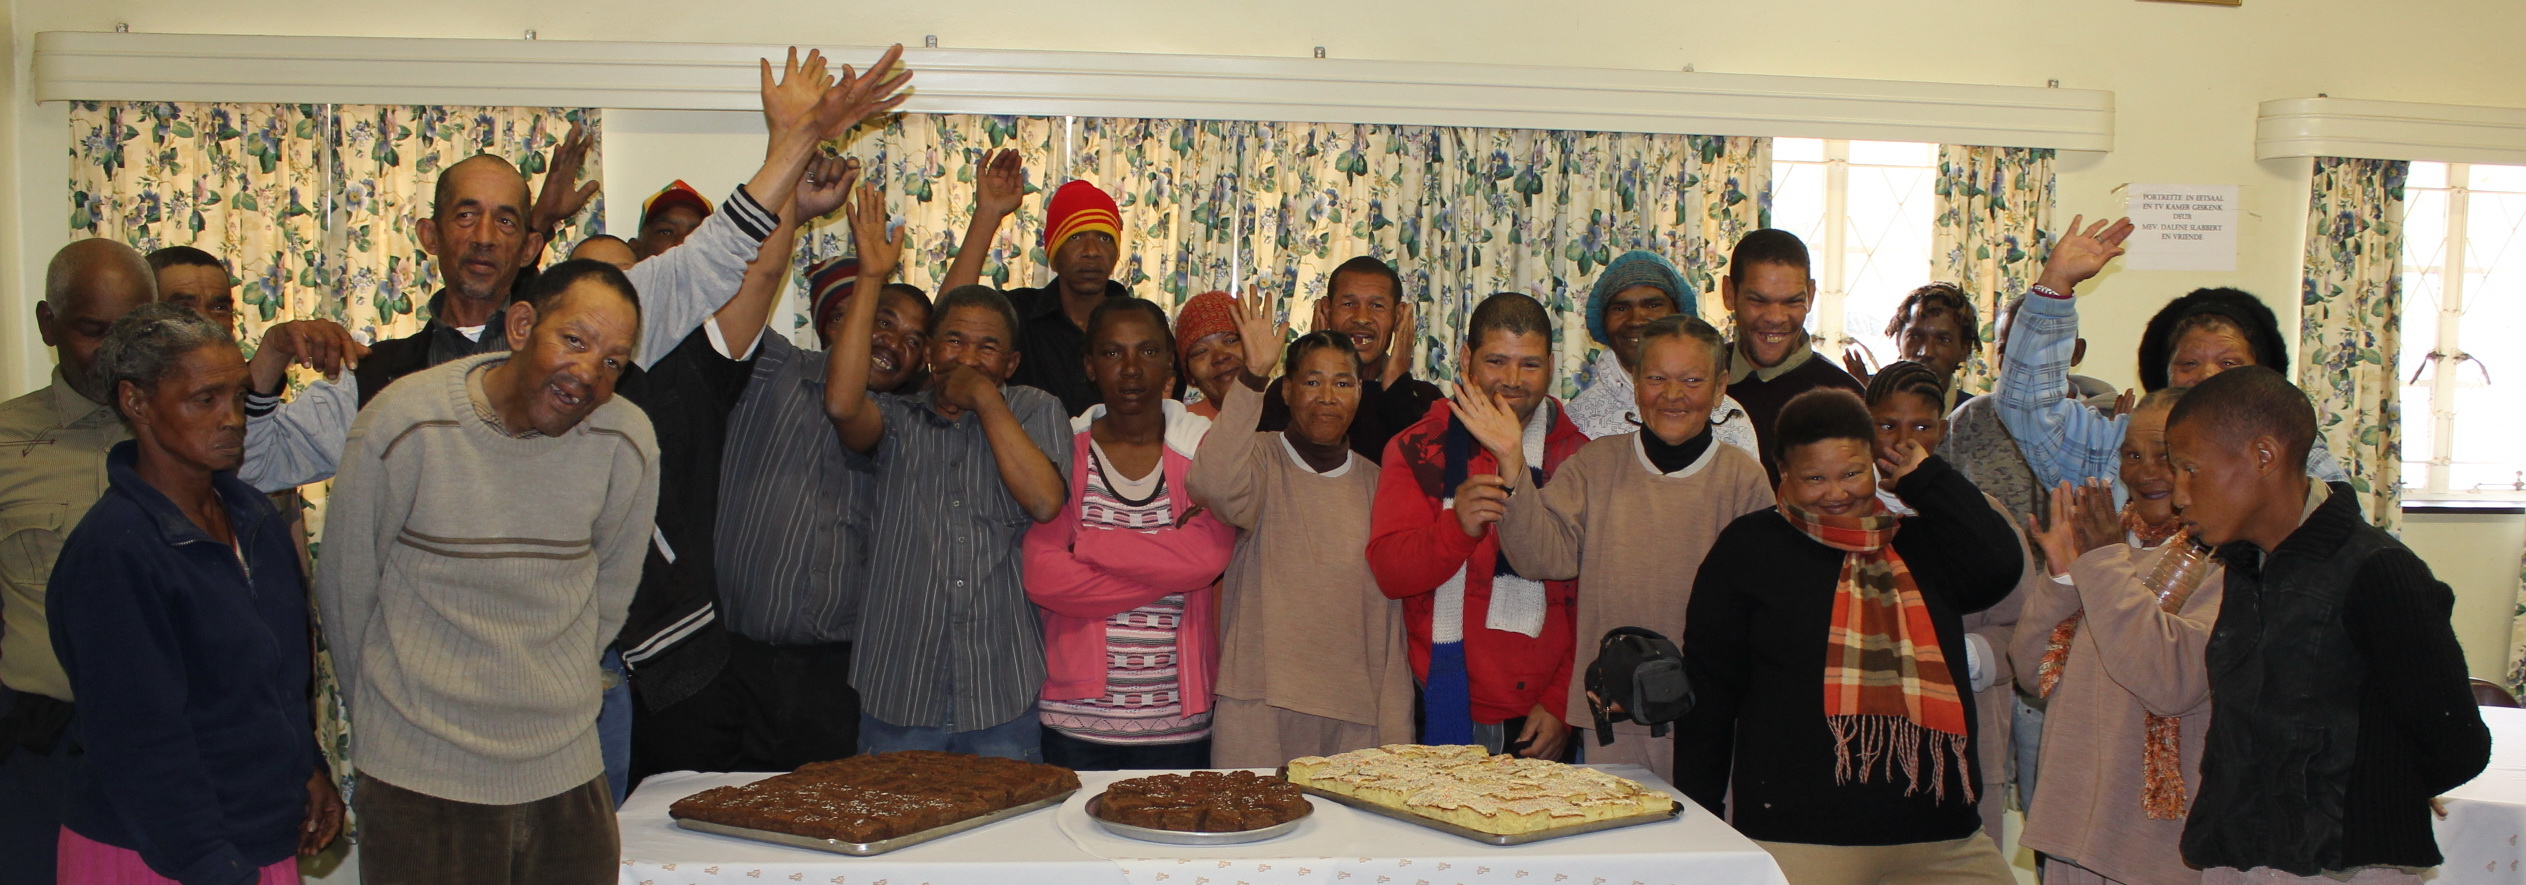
pixel 470 580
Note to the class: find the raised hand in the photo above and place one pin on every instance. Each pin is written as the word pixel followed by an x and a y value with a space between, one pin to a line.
pixel 2057 538
pixel 860 96
pixel 322 345
pixel 880 249
pixel 1493 424
pixel 559 199
pixel 789 102
pixel 1001 186
pixel 1400 345
pixel 1855 359
pixel 2094 518
pixel 1261 337
pixel 826 186
pixel 2124 401
pixel 2082 253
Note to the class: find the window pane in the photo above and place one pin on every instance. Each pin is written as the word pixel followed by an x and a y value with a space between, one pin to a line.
pixel 2489 447
pixel 2424 258
pixel 2509 179
pixel 1798 150
pixel 1887 241
pixel 1893 153
pixel 2427 175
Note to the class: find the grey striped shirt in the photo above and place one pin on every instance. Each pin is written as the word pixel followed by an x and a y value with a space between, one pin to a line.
pixel 945 613
pixel 793 509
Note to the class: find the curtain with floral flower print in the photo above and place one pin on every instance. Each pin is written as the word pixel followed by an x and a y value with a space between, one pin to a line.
pixel 244 182
pixel 925 165
pixel 1320 194
pixel 387 160
pixel 2349 330
pixel 1177 184
pixel 1991 234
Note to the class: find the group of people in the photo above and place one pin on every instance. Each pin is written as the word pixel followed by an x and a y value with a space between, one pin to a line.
pixel 1059 523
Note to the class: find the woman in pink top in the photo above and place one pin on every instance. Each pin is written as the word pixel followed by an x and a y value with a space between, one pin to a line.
pixel 1123 580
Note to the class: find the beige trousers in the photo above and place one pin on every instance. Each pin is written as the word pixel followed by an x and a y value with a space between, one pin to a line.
pixel 1254 734
pixel 1968 861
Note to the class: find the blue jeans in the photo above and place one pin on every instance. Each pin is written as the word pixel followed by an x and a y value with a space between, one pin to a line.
pixel 614 726
pixel 1020 738
pixel 2026 735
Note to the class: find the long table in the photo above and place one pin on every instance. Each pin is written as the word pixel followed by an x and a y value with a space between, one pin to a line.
pixel 1061 846
pixel 2486 818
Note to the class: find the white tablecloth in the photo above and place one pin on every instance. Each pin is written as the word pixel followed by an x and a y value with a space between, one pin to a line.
pixel 1060 846
pixel 2486 818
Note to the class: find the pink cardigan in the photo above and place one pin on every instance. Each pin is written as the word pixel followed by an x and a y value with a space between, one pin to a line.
pixel 1078 577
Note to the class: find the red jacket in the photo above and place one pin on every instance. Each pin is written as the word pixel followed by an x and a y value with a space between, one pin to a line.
pixel 1415 545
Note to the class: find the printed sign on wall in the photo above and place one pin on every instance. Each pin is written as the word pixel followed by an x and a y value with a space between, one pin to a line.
pixel 2182 227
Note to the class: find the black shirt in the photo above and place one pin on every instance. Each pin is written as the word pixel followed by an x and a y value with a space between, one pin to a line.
pixel 688 395
pixel 1052 350
pixel 1383 412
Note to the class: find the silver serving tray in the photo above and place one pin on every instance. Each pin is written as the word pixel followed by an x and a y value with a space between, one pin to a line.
pixel 881 846
pixel 1182 837
pixel 1497 838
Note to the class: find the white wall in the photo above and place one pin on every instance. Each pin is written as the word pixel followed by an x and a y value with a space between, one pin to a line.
pixel 2186 78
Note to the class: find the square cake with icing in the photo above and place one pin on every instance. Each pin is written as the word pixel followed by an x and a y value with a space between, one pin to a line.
pixel 1468 787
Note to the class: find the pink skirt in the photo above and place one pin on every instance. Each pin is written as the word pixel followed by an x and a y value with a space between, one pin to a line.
pixel 85 861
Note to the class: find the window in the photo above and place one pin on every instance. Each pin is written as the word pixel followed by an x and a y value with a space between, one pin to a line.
pixel 2464 330
pixel 1865 209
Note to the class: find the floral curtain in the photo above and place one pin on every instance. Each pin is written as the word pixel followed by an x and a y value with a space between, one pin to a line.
pixel 245 182
pixel 1177 183
pixel 1994 217
pixel 388 159
pixel 2349 331
pixel 2517 636
pixel 926 164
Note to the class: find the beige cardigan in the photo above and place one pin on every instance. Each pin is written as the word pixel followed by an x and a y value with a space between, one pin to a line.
pixel 2128 659
pixel 1302 625
pixel 1650 532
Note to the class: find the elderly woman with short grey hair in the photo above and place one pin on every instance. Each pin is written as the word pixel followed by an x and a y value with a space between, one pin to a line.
pixel 179 611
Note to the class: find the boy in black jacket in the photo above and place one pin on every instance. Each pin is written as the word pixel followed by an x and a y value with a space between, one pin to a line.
pixel 2339 699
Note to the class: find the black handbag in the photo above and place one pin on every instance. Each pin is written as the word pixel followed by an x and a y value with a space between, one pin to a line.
pixel 1642 673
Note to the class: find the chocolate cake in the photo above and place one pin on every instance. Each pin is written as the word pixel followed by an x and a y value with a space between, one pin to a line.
pixel 878 797
pixel 1203 802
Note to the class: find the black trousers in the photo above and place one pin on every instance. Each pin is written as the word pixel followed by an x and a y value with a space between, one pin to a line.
pixel 771 708
pixel 411 838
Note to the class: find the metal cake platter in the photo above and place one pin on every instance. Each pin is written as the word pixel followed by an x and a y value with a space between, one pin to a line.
pixel 1182 837
pixel 881 846
pixel 1466 832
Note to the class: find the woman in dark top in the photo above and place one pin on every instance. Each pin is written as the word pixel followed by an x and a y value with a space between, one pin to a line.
pixel 1825 645
pixel 180 613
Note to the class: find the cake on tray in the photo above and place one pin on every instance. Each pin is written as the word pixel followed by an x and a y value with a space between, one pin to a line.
pixel 1203 802
pixel 1468 787
pixel 877 797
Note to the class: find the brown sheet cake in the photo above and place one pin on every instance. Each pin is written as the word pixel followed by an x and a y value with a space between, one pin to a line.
pixel 1203 802
pixel 873 798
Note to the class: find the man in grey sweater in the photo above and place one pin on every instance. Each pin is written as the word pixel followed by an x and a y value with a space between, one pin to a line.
pixel 470 624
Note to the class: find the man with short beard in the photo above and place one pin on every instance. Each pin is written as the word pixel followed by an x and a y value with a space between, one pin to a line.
pixel 1364 301
pixel 52 468
pixel 1769 291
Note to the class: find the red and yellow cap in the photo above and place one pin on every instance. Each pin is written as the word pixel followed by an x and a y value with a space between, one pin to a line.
pixel 1077 208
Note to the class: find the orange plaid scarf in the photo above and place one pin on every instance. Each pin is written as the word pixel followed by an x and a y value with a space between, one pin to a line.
pixel 1887 686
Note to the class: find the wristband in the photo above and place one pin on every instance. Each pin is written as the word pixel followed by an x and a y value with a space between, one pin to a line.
pixel 2046 291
